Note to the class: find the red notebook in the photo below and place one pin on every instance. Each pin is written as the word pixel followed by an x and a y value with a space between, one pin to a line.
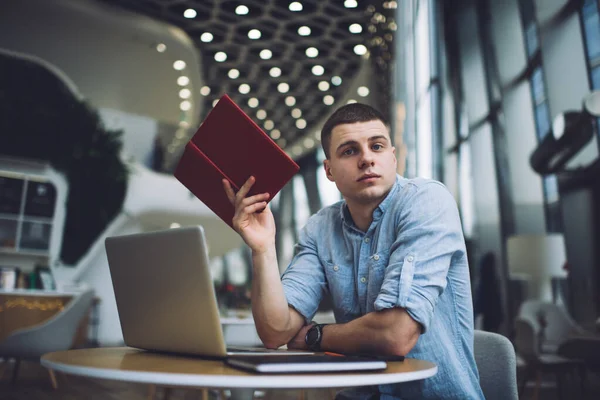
pixel 230 145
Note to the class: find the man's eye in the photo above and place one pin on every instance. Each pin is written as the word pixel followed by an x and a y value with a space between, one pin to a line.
pixel 377 146
pixel 348 152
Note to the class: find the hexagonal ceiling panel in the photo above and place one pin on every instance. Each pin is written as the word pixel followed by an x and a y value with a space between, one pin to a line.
pixel 283 61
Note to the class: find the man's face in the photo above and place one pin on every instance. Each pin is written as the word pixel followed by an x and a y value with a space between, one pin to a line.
pixel 362 162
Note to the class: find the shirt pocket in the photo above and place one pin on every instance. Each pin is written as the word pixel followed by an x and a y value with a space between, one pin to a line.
pixel 340 281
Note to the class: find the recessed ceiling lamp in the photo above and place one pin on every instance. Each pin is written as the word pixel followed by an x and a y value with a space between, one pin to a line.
pixel 266 54
pixel 269 125
pixel 295 6
pixel 328 100
pixel 185 93
pixel 350 3
pixel 215 101
pixel 244 88
pixel 204 90
pixel 254 34
pixel 183 80
pixel 233 73
pixel 161 47
pixel 220 56
pixel 300 123
pixel 275 134
pixel 185 105
pixel 336 80
pixel 261 114
pixel 290 101
pixel 190 13
pixel 297 150
pixel 179 65
pixel 323 86
pixel 304 31
pixel 283 87
pixel 360 49
pixel 241 10
pixel 296 113
pixel 253 102
pixel 318 70
pixel 282 142
pixel 351 101
pixel 206 37
pixel 312 52
pixel 309 143
pixel 275 72
pixel 363 91
pixel 355 28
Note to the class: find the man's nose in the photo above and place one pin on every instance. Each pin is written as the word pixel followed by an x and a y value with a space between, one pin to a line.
pixel 366 159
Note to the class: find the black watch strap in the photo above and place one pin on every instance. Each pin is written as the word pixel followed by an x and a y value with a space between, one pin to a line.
pixel 314 337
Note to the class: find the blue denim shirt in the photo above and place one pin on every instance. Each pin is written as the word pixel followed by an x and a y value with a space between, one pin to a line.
pixel 412 256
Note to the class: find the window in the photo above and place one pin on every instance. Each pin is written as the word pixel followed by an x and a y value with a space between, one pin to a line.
pixel 590 22
pixel 540 104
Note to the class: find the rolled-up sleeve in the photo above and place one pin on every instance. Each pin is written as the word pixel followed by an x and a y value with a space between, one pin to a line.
pixel 428 235
pixel 304 281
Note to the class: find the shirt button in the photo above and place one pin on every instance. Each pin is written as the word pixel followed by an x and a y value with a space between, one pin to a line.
pixel 367 240
pixel 410 258
pixel 376 257
pixel 335 268
pixel 363 279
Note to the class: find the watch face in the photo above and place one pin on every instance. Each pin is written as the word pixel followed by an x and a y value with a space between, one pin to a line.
pixel 312 335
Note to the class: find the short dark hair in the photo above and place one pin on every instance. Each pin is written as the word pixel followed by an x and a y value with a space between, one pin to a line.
pixel 348 114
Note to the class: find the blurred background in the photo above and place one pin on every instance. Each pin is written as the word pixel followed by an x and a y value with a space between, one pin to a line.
pixel 495 99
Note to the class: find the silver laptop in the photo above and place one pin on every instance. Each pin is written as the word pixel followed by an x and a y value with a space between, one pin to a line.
pixel 165 294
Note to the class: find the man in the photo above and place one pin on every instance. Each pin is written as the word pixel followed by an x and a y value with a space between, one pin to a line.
pixel 391 255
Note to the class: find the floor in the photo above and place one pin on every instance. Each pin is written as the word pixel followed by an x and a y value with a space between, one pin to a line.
pixel 34 383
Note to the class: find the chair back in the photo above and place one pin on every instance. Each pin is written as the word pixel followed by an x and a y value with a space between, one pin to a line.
pixel 497 365
pixel 55 334
pixel 558 323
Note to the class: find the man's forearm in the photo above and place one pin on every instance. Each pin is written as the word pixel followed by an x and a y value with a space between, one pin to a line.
pixel 391 332
pixel 269 305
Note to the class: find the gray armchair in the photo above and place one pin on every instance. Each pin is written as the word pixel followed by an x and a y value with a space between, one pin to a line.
pixel 54 334
pixel 496 361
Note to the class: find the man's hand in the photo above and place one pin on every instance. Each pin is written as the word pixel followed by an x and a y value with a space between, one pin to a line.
pixel 253 220
pixel 298 342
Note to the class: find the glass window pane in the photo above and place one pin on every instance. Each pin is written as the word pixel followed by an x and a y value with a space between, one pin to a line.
pixel 424 139
pixel 301 208
pixel 538 89
pixel 531 39
pixel 591 26
pixel 596 78
pixel 542 120
pixel 551 188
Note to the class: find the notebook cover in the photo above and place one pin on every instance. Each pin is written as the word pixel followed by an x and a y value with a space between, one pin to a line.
pixel 230 145
pixel 313 363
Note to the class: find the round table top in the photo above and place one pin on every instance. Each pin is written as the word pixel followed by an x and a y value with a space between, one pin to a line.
pixel 133 365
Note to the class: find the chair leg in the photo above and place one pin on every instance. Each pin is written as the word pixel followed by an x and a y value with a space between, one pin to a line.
pixel 151 392
pixel 167 393
pixel 538 383
pixel 204 394
pixel 53 379
pixel 15 371
pixel 301 394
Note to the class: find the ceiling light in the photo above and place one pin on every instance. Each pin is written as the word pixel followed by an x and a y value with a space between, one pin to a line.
pixel 296 113
pixel 360 49
pixel 318 70
pixel 266 54
pixel 254 34
pixel 261 114
pixel 215 101
pixel 300 123
pixel 220 56
pixel 290 101
pixel 318 135
pixel 206 37
pixel 204 90
pixel 363 91
pixel 283 87
pixel 351 101
pixel 323 86
pixel 312 52
pixel 244 88
pixel 275 134
pixel 190 13
pixel 295 6
pixel 282 142
pixel 241 10
pixel 253 102
pixel 269 125
pixel 350 4
pixel 309 143
pixel 304 31
pixel 161 47
pixel 183 80
pixel 355 28
pixel 328 100
pixel 179 65
pixel 233 73
pixel 275 72
pixel 185 93
pixel 297 150
pixel 336 80
pixel 185 105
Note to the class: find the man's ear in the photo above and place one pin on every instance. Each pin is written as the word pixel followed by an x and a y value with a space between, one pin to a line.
pixel 327 167
pixel 394 153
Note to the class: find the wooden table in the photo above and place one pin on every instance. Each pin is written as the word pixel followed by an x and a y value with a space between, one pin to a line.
pixel 133 365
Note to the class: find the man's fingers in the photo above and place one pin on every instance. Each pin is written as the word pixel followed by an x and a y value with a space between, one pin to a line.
pixel 229 191
pixel 253 199
pixel 241 194
pixel 255 207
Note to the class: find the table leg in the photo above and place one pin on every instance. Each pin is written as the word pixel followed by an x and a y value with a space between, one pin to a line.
pixel 204 394
pixel 242 394
pixel 151 392
pixel 53 379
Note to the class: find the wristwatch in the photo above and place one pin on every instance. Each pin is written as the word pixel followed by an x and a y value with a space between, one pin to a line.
pixel 314 336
